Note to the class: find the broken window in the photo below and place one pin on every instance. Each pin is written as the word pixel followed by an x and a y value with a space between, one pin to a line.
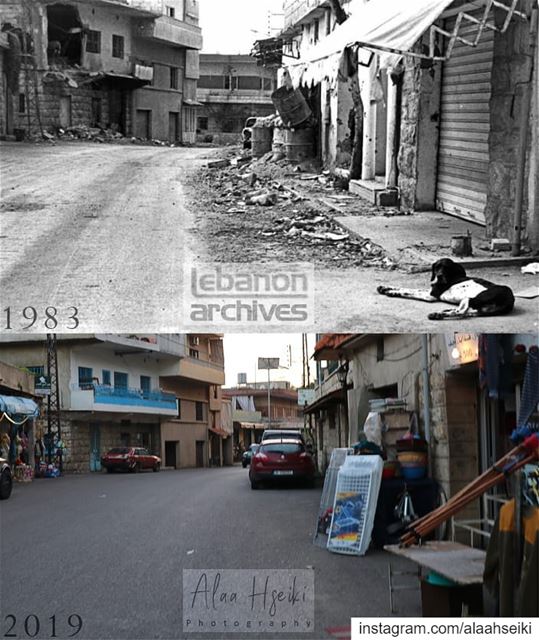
pixel 202 123
pixel 93 41
pixel 117 46
pixel 173 78
pixel 22 103
pixel 64 34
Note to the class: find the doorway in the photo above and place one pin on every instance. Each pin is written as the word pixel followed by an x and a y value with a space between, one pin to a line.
pixel 95 448
pixel 200 453
pixel 171 453
pixel 144 123
pixel 173 126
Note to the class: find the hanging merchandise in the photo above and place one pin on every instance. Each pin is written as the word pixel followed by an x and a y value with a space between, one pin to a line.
pixel 356 496
pixel 373 428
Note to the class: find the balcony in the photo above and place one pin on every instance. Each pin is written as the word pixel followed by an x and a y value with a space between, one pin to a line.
pixel 166 344
pixel 171 31
pixel 96 397
pixel 236 96
pixel 197 371
pixel 297 11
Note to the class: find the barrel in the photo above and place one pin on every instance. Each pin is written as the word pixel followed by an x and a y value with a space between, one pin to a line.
pixel 291 106
pixel 299 144
pixel 279 140
pixel 260 140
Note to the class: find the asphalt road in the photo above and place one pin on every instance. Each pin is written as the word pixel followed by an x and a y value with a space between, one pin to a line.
pixel 111 548
pixel 103 228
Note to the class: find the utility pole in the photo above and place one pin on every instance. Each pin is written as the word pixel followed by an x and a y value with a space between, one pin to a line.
pixel 53 399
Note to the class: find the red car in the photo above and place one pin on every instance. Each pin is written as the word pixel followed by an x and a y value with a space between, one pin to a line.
pixel 281 459
pixel 130 459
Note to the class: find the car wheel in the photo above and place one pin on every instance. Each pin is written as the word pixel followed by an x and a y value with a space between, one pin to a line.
pixel 244 464
pixel 255 484
pixel 110 470
pixel 6 485
pixel 157 468
pixel 138 467
pixel 310 483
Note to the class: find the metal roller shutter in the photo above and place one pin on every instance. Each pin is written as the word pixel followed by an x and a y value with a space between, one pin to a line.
pixel 464 128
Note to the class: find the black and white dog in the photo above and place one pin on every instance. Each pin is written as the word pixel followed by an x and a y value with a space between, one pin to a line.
pixel 449 283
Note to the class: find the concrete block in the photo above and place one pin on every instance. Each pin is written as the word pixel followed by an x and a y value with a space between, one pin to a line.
pixel 388 198
pixel 500 244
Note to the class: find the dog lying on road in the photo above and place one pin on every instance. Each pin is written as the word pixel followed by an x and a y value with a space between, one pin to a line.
pixel 449 283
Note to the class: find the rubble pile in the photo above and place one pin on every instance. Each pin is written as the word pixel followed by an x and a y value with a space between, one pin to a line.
pixel 277 210
pixel 95 134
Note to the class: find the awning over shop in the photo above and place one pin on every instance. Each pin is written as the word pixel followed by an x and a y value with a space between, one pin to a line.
pixel 392 26
pixel 220 432
pixel 331 398
pixel 119 80
pixel 189 102
pixel 16 406
pixel 251 425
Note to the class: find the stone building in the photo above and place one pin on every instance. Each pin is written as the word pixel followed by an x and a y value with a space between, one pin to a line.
pixel 231 88
pixel 465 391
pixel 446 123
pixel 161 392
pixel 127 65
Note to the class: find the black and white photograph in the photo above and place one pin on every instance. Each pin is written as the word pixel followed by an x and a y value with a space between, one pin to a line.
pixel 269 319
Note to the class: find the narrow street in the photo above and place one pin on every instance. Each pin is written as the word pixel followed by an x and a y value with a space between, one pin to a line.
pixel 111 548
pixel 113 240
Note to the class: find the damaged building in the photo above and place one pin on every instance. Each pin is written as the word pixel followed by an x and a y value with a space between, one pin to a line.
pixel 447 103
pixel 129 66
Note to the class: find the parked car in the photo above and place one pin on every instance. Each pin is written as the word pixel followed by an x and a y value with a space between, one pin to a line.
pixel 247 455
pixel 130 459
pixel 282 459
pixel 6 480
pixel 272 434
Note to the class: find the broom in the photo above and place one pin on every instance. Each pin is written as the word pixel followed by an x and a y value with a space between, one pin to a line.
pixel 524 454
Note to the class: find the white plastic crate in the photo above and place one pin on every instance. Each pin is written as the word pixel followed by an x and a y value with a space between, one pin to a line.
pixel 354 507
pixel 338 456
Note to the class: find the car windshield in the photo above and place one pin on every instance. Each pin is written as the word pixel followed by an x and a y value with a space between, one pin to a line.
pixel 119 450
pixel 282 447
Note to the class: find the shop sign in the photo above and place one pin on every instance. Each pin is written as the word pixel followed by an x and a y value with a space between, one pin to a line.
pixel 268 363
pixel 42 385
pixel 462 348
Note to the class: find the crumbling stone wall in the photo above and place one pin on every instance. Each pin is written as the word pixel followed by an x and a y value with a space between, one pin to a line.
pixel 510 70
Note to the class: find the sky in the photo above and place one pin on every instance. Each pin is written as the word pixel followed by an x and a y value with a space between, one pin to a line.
pixel 231 26
pixel 243 350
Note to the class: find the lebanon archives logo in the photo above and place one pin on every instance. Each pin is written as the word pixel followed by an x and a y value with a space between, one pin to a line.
pixel 249 295
pixel 248 601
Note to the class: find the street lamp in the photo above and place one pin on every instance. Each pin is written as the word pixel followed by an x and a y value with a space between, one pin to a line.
pixel 342 376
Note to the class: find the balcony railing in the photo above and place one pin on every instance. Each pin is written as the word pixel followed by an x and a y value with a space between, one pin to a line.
pixel 296 10
pixel 93 396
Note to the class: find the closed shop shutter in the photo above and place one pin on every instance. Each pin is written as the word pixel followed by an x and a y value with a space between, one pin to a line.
pixel 464 128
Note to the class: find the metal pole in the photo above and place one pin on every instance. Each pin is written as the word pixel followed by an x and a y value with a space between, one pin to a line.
pixel 269 399
pixel 426 392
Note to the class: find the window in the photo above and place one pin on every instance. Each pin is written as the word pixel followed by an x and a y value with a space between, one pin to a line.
pixel 171 12
pixel 194 353
pixel 173 78
pixel 36 371
pixel 268 84
pixel 22 103
pixel 120 380
pixel 117 46
pixel 194 340
pixel 252 83
pixel 145 384
pixel 199 409
pixel 86 375
pixel 380 348
pixel 93 41
pixel 106 377
pixel 202 123
pixel 316 34
pixel 179 409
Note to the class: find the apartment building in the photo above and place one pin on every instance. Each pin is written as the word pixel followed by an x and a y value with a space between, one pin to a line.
pixel 127 65
pixel 161 392
pixel 232 88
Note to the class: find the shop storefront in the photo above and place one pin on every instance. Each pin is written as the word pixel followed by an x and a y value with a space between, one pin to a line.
pixel 17 435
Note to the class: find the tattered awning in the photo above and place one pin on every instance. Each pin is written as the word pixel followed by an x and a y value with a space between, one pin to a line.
pixel 17 406
pixel 119 80
pixel 389 27
pixel 336 396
